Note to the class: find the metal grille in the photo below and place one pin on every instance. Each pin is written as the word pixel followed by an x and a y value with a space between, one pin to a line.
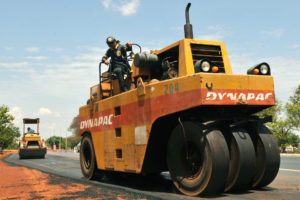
pixel 210 52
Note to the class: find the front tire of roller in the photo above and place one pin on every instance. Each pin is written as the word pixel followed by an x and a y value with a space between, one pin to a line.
pixel 87 158
pixel 200 167
pixel 267 156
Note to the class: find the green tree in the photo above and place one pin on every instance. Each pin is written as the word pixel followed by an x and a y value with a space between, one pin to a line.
pixel 283 126
pixel 282 130
pixel 57 140
pixel 274 111
pixel 8 132
pixel 293 109
pixel 74 128
pixel 73 141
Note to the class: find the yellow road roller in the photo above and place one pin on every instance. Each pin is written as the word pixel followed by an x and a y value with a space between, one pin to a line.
pixel 31 145
pixel 186 113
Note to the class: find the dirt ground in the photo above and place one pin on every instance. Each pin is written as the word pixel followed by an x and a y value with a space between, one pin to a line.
pixel 24 183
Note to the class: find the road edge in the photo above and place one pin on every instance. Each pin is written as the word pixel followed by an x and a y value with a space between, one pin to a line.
pixel 105 185
pixel 289 155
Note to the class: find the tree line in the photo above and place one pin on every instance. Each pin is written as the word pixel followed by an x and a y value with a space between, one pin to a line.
pixel 286 120
pixel 8 132
pixel 72 140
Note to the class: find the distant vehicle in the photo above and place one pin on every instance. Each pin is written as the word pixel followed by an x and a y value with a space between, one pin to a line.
pixel 31 145
pixel 78 146
pixel 289 149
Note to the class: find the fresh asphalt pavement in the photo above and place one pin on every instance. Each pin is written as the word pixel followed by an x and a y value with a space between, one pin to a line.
pixel 66 164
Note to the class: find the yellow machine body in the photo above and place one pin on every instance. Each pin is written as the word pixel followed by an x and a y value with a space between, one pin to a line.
pixel 130 129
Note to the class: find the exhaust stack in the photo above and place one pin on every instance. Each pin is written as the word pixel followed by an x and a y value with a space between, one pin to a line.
pixel 188 28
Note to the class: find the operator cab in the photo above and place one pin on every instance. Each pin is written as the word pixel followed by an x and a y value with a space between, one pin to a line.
pixel 31 121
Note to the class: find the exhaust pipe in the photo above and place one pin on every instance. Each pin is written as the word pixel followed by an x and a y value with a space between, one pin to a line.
pixel 188 28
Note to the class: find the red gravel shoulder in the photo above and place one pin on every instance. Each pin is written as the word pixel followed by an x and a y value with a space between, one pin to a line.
pixel 25 183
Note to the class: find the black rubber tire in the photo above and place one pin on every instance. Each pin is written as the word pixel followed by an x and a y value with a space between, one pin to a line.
pixel 242 160
pixel 267 156
pixel 209 155
pixel 88 162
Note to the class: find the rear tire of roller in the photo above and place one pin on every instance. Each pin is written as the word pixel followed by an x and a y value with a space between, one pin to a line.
pixel 267 156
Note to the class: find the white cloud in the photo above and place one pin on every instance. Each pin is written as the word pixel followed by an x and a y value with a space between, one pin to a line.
pixel 94 53
pixel 106 3
pixel 50 127
pixel 32 49
pixel 90 57
pixel 66 58
pixel 129 8
pixel 216 33
pixel 213 37
pixel 274 32
pixel 18 114
pixel 126 7
pixel 7 58
pixel 294 46
pixel 92 49
pixel 56 50
pixel 36 57
pixel 13 65
pixel 286 74
pixel 176 28
pixel 9 48
pixel 56 114
pixel 44 111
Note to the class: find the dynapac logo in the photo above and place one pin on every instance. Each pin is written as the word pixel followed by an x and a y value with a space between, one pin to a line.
pixel 95 122
pixel 233 96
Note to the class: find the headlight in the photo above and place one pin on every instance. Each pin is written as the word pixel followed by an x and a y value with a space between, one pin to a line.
pixel 264 69
pixel 205 66
pixel 260 69
pixel 202 66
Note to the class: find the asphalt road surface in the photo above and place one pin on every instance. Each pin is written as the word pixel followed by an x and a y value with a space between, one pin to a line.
pixel 285 186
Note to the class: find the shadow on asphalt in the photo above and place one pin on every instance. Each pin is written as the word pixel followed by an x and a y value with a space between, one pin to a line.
pixel 151 183
pixel 157 183
pixel 154 182
pixel 266 189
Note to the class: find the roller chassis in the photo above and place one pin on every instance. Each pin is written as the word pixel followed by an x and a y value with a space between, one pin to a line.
pixel 200 126
pixel 230 124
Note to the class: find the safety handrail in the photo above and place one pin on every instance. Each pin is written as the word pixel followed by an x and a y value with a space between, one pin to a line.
pixel 109 77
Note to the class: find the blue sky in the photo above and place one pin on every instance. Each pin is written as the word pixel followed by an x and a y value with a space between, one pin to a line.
pixel 49 50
